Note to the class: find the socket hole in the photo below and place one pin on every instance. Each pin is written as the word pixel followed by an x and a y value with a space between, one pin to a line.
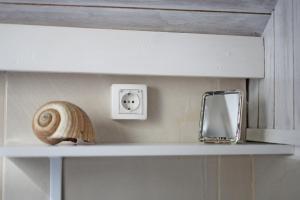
pixel 128 108
pixel 124 101
pixel 132 102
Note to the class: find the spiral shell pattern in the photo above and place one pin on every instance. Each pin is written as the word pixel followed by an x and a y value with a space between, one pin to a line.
pixel 58 121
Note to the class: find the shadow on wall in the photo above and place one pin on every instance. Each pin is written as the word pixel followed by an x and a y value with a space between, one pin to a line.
pixel 26 178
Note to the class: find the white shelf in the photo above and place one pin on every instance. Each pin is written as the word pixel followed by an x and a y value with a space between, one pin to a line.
pixel 128 150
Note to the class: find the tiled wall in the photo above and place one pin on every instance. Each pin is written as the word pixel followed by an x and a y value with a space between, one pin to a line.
pixel 277 178
pixel 174 105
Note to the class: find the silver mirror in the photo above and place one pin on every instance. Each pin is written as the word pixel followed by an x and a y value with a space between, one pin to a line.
pixel 220 117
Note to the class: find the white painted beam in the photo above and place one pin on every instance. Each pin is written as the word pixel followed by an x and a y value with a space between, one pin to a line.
pixel 61 49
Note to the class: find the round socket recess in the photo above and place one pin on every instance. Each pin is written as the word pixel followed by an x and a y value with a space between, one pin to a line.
pixel 130 101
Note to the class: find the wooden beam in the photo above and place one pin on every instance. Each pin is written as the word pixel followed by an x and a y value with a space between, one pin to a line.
pixel 224 23
pixel 250 6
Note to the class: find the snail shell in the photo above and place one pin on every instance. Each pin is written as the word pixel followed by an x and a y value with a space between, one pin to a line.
pixel 58 121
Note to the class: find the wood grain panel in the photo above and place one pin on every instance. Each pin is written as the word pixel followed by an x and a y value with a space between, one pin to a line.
pixel 284 65
pixel 296 20
pixel 266 85
pixel 253 98
pixel 254 6
pixel 135 19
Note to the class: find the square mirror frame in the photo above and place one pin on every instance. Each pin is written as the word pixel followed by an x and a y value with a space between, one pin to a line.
pixel 202 117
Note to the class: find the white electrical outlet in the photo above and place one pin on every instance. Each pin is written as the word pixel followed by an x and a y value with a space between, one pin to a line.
pixel 129 101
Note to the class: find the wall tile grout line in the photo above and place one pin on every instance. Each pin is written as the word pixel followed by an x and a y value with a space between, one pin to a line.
pixel 253 178
pixel 203 195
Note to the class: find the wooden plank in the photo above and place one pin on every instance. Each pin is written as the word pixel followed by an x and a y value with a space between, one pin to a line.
pixel 253 98
pixel 253 6
pixel 284 110
pixel 129 150
pixel 296 20
pixel 274 136
pixel 136 19
pixel 38 48
pixel 266 85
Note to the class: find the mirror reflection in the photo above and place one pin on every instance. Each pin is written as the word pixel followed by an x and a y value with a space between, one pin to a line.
pixel 220 120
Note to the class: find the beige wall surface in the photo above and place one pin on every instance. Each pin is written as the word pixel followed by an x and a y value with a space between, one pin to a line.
pixel 174 106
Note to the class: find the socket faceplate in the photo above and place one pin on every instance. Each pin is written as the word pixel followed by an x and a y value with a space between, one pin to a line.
pixel 129 101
